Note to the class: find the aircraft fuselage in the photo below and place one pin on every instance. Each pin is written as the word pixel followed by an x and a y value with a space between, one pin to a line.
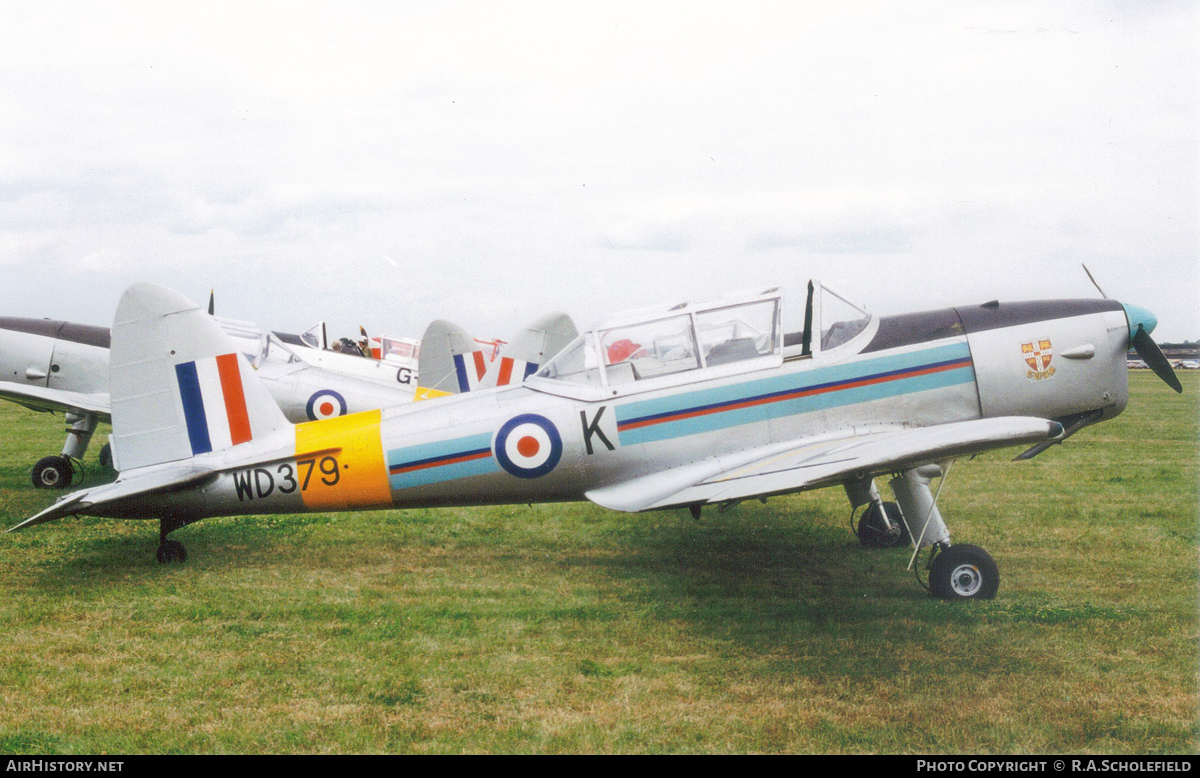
pixel 56 355
pixel 546 441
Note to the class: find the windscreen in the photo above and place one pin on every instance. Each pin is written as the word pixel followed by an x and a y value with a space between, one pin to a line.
pixel 840 320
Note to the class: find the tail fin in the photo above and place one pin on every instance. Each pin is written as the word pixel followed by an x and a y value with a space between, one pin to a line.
pixel 178 386
pixel 531 348
pixel 449 362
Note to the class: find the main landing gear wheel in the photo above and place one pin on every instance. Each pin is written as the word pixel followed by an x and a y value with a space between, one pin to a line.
pixel 873 533
pixel 171 551
pixel 106 456
pixel 53 473
pixel 964 572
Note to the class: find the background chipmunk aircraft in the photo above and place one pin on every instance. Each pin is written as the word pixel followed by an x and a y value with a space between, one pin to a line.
pixel 389 360
pixel 680 406
pixel 452 362
pixel 62 367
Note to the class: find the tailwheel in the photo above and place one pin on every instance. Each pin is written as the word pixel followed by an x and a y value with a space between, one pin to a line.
pixel 54 472
pixel 963 572
pixel 874 532
pixel 171 551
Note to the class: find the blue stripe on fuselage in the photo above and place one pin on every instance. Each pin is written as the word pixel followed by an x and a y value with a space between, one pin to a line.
pixel 820 389
pixel 442 460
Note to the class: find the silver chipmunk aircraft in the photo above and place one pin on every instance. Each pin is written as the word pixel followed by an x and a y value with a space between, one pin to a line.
pixel 62 367
pixel 680 406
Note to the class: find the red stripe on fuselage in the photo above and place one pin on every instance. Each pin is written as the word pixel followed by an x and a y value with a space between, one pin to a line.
pixel 393 470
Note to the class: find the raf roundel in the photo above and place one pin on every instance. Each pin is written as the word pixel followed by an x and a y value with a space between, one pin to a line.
pixel 528 446
pixel 326 404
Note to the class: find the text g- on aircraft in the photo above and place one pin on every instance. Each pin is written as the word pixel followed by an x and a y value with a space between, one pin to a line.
pixel 383 359
pixel 679 406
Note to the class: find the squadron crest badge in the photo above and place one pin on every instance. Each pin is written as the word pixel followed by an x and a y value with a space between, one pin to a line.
pixel 1038 354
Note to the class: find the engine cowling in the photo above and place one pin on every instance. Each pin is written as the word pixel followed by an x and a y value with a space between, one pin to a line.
pixel 1052 359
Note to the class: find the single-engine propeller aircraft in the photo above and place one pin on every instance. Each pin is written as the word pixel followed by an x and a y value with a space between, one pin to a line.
pixel 62 367
pixel 679 406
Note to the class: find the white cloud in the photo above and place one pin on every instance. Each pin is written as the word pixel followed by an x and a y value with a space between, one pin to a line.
pixel 518 157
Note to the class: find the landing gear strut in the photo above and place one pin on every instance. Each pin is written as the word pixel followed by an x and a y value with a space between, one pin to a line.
pixel 956 571
pixel 169 550
pixel 59 471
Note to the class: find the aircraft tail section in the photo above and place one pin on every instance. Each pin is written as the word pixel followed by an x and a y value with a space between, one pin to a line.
pixel 531 348
pixel 179 388
pixel 450 361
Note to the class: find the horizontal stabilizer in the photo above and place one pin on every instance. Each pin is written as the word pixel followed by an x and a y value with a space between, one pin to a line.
pixel 820 461
pixel 147 482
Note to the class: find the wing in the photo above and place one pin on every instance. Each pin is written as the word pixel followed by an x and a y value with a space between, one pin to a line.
pixel 41 398
pixel 820 461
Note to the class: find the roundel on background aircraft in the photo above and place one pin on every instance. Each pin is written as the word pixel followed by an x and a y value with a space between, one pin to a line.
pixel 325 404
pixel 528 446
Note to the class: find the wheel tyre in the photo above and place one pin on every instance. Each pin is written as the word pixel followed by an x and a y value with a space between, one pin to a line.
pixel 964 572
pixel 53 473
pixel 106 456
pixel 170 551
pixel 179 551
pixel 872 533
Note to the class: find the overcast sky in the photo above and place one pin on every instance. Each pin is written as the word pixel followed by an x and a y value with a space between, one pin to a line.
pixel 390 163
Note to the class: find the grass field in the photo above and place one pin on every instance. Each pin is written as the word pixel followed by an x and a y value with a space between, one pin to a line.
pixel 569 628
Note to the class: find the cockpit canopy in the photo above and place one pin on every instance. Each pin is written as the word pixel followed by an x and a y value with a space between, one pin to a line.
pixel 655 347
pixel 260 348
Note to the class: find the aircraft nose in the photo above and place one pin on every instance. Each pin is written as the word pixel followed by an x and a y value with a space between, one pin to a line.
pixel 1139 317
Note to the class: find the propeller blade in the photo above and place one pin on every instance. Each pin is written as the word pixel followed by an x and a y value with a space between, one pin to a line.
pixel 212 301
pixel 1089 275
pixel 1152 355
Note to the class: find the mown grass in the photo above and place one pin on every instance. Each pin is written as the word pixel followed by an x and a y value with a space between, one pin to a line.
pixel 568 628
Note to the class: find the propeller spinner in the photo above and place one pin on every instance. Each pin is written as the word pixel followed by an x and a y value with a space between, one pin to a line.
pixel 1141 324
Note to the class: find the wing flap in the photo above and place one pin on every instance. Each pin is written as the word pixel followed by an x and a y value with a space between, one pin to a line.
pixel 817 462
